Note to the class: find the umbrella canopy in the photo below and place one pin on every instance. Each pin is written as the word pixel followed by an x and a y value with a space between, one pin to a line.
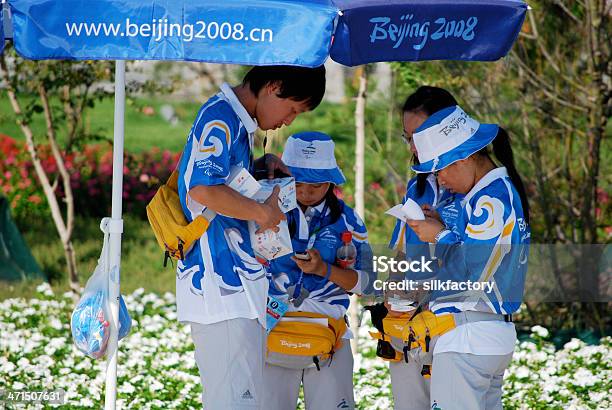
pixel 258 32
pixel 400 30
pixel 266 32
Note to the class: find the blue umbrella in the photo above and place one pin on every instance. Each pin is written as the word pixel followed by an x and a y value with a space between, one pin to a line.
pixel 258 32
pixel 399 30
pixel 264 32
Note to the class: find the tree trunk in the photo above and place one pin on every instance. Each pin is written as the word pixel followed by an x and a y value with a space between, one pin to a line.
pixel 359 185
pixel 63 230
pixel 65 234
pixel 360 143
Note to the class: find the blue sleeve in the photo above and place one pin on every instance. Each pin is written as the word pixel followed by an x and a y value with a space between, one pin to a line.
pixel 398 239
pixel 212 135
pixel 396 243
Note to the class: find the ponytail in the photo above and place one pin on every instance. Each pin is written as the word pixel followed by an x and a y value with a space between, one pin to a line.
pixel 421 183
pixel 334 205
pixel 503 152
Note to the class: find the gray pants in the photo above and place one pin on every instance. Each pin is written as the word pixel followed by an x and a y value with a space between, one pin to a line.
pixel 329 388
pixel 230 357
pixel 467 381
pixel 410 389
pixel 458 381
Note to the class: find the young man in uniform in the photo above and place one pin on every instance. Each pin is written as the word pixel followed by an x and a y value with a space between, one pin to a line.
pixel 221 287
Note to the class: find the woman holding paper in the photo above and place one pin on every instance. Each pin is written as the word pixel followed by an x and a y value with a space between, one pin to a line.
pixel 488 243
pixel 410 388
pixel 318 278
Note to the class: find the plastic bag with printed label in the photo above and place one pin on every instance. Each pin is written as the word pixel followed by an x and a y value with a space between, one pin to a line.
pixel 90 320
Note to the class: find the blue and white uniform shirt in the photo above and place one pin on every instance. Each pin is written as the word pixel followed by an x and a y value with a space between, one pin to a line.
pixel 220 278
pixel 448 206
pixel 489 243
pixel 314 229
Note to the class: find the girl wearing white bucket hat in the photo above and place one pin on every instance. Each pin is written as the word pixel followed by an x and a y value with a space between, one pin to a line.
pixel 320 226
pixel 487 244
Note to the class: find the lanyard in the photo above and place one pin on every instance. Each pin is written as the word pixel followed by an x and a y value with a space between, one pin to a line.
pixel 251 137
pixel 311 241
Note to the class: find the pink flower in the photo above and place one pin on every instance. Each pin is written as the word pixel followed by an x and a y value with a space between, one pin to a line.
pixel 144 178
pixel 602 196
pixel 35 199
pixel 8 175
pixel 24 184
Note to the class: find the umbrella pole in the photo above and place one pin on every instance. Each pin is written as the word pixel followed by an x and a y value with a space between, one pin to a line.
pixel 115 229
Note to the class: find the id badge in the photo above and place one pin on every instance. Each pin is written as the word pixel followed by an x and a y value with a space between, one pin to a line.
pixel 275 310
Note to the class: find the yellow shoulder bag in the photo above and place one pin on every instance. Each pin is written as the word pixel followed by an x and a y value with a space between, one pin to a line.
pixel 174 234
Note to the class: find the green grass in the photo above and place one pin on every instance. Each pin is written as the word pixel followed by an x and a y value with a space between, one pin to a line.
pixel 141 259
pixel 142 132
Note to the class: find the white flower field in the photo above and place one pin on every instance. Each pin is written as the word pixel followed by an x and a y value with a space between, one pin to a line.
pixel 157 370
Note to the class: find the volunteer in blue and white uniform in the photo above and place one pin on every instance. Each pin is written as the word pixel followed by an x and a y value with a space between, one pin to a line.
pixel 488 243
pixel 221 287
pixel 423 188
pixel 319 285
pixel 410 389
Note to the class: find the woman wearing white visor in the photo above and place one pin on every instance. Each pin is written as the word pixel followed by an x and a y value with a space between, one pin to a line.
pixel 318 281
pixel 409 386
pixel 488 245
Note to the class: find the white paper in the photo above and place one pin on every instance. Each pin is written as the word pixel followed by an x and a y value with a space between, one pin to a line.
pixel 409 210
pixel 269 244
pixel 286 196
pixel 317 320
pixel 401 305
pixel 241 181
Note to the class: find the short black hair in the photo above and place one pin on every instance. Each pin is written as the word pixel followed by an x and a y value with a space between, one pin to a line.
pixel 296 83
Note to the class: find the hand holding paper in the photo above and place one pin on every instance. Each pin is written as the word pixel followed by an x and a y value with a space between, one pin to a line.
pixel 273 215
pixel 409 210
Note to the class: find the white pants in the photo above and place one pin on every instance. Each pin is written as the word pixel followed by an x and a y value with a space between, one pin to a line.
pixel 458 381
pixel 410 389
pixel 230 356
pixel 468 381
pixel 328 388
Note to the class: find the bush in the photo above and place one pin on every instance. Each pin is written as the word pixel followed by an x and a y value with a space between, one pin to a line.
pixel 91 174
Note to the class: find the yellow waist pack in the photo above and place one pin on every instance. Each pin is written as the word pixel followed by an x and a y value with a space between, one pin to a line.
pixel 299 344
pixel 405 335
pixel 173 232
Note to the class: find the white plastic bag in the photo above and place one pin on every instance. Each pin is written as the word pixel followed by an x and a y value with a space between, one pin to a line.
pixel 90 319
